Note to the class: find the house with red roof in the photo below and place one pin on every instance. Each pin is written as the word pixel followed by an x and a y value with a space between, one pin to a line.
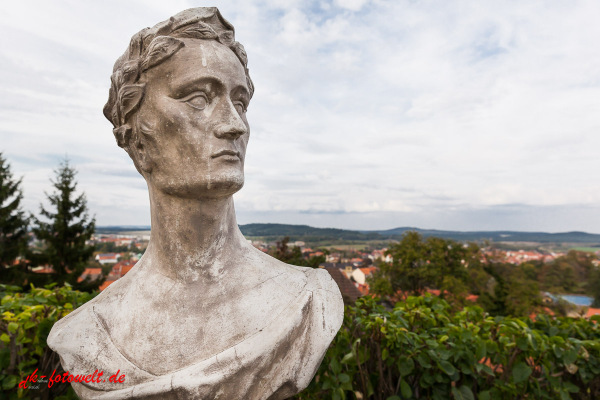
pixel 92 273
pixel 360 275
pixel 44 269
pixel 108 258
pixel 118 271
pixel 122 267
pixel 592 311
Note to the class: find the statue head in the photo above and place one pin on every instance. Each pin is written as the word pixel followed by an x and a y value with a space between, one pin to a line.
pixel 178 101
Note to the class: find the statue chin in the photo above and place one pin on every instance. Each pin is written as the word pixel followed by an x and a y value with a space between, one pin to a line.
pixel 213 189
pixel 203 314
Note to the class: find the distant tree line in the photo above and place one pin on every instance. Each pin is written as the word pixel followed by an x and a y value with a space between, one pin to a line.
pixel 305 233
pixel 457 269
pixel 293 255
pixel 112 247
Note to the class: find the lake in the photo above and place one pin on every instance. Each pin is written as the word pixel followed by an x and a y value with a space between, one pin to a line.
pixel 577 299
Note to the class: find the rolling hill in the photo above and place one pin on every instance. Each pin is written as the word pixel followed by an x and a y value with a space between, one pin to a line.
pixel 309 233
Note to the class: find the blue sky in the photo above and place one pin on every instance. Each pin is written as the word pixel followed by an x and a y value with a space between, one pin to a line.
pixel 367 114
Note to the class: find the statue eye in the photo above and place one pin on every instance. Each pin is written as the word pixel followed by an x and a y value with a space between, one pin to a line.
pixel 198 101
pixel 240 107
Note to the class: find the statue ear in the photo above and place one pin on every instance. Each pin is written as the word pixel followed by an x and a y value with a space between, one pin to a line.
pixel 143 137
pixel 137 152
pixel 144 162
pixel 123 135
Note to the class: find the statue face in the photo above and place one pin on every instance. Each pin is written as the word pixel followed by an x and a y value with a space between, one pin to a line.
pixel 192 122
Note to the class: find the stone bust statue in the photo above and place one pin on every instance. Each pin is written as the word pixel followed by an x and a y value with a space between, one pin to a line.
pixel 203 314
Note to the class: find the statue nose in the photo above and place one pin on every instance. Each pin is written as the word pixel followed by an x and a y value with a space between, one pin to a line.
pixel 231 125
pixel 229 132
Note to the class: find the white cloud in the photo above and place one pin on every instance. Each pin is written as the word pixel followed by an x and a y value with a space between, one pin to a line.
pixel 352 5
pixel 387 109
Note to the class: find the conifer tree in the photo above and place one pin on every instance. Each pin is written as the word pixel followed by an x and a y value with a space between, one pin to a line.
pixel 67 231
pixel 13 224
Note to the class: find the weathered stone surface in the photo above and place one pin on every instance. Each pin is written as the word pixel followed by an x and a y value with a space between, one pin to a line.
pixel 203 314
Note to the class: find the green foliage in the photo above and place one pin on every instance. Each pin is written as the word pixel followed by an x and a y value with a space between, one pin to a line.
pixel 450 260
pixel 567 274
pixel 13 225
pixel 286 254
pixel 24 327
pixel 431 263
pixel 423 350
pixel 511 292
pixel 294 255
pixel 456 269
pixel 65 234
pixel 523 295
pixel 594 287
pixel 111 247
pixel 409 271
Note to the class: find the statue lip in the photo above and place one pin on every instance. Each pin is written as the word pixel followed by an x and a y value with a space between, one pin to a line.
pixel 226 153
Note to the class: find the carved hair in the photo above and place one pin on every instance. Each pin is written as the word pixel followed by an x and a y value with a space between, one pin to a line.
pixel 152 46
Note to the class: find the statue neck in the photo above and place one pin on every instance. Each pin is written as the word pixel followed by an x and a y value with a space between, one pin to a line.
pixel 193 240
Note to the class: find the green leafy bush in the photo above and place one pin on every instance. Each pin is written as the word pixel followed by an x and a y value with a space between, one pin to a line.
pixel 24 327
pixel 422 350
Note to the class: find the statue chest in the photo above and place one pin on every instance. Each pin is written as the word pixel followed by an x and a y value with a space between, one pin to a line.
pixel 162 336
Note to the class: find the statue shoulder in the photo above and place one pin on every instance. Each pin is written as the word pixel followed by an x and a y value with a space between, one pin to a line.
pixel 76 333
pixel 327 297
pixel 316 280
pixel 322 279
pixel 82 317
pixel 84 346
